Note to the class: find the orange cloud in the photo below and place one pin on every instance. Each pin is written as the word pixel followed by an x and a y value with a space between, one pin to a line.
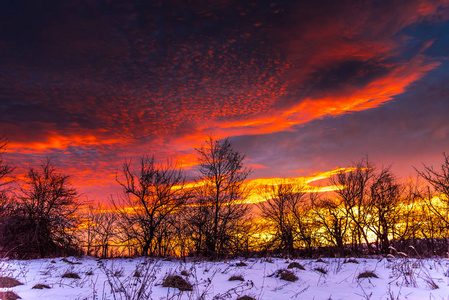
pixel 162 90
pixel 372 95
pixel 58 141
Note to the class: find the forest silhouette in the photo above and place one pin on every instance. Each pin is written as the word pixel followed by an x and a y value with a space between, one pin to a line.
pixel 159 213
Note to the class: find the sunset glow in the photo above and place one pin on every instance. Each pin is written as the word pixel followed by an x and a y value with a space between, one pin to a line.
pixel 299 87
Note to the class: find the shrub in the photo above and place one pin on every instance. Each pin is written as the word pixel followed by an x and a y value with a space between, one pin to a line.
pixel 241 264
pixel 321 270
pixel 46 206
pixel 295 265
pixel 8 282
pixel 178 282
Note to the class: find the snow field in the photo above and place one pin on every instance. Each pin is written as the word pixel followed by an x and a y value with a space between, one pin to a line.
pixel 327 278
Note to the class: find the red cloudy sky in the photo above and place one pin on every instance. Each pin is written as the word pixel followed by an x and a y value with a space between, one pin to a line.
pixel 299 86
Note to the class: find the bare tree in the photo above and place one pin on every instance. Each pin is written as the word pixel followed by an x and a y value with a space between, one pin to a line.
pixel 412 212
pixel 246 236
pixel 5 169
pixel 439 180
pixel 149 197
pixel 198 220
pixel 45 216
pixel 332 219
pixel 5 172
pixel 385 207
pixel 101 231
pixel 6 204
pixel 354 196
pixel 275 210
pixel 220 197
pixel 286 207
pixel 177 239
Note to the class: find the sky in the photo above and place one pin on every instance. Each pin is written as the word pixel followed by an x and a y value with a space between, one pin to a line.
pixel 300 87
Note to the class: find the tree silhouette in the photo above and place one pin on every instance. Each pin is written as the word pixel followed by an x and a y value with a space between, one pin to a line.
pixel 45 214
pixel 286 207
pixel 5 172
pixel 439 180
pixel 355 198
pixel 220 197
pixel 149 197
pixel 6 202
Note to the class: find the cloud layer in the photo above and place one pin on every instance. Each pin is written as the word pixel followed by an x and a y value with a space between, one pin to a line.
pixel 93 82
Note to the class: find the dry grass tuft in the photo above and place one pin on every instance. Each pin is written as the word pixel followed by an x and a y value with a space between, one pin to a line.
pixel 71 275
pixel 70 262
pixel 367 274
pixel 295 265
pixel 9 296
pixel 241 264
pixel 288 276
pixel 236 277
pixel 246 298
pixel 175 281
pixel 40 286
pixel 119 273
pixel 429 280
pixel 8 282
pixel 321 270
pixel 137 274
pixel 184 273
pixel 351 261
pixel 285 274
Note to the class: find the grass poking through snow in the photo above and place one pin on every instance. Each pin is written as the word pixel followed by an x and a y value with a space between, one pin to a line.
pixel 321 270
pixel 236 278
pixel 296 265
pixel 9 295
pixel 40 286
pixel 285 274
pixel 367 274
pixel 9 282
pixel 71 275
pixel 175 281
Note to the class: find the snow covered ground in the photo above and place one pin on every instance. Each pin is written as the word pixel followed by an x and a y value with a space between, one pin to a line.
pixel 328 278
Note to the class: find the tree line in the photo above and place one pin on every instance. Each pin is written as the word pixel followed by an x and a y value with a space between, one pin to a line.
pixel 159 213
